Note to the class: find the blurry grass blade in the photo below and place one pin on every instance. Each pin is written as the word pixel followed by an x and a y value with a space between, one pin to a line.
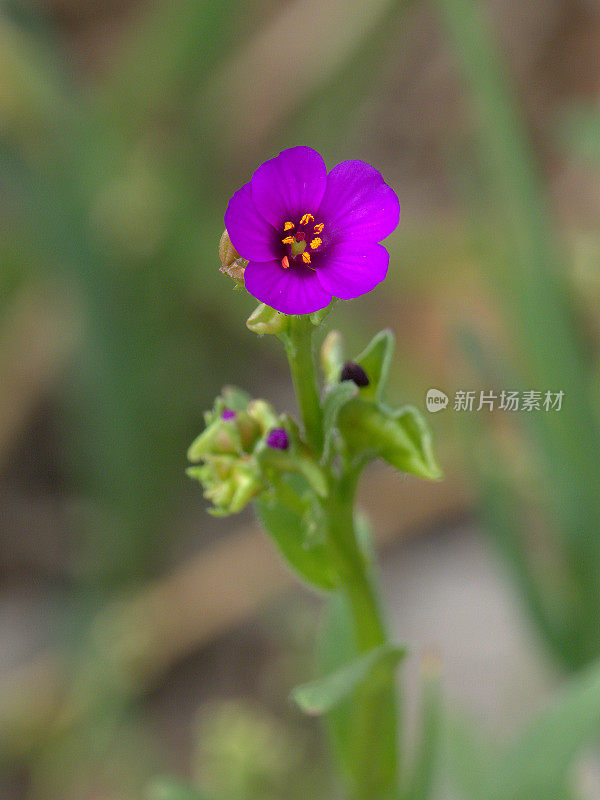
pixel 275 72
pixel 580 132
pixel 186 39
pixel 540 758
pixel 164 789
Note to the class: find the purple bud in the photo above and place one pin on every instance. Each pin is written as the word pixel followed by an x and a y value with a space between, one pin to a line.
pixel 354 372
pixel 227 414
pixel 278 439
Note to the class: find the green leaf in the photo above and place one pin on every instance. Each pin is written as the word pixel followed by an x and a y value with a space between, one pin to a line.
pixel 421 782
pixel 303 552
pixel 368 714
pixel 400 437
pixel 336 398
pixel 376 359
pixel 324 694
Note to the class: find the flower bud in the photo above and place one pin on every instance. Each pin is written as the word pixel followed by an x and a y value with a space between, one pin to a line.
pixel 248 429
pixel 220 436
pixel 220 494
pixel 264 414
pixel 278 439
pixel 332 356
pixel 265 319
pixel 232 263
pixel 227 252
pixel 247 485
pixel 355 373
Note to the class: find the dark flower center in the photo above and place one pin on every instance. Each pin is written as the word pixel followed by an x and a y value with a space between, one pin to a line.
pixel 302 240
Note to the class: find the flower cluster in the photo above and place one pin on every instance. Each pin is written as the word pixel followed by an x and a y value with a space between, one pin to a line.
pixel 308 236
pixel 243 448
pixel 226 452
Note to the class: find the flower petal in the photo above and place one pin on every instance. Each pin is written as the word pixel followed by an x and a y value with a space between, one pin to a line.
pixel 289 185
pixel 358 204
pixel 352 269
pixel 252 236
pixel 296 290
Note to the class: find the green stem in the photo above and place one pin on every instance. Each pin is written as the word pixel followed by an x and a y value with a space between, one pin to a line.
pixel 357 581
pixel 373 739
pixel 372 743
pixel 298 347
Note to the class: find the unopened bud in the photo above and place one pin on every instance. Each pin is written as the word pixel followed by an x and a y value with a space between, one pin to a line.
pixel 278 439
pixel 247 486
pixel 220 494
pixel 219 437
pixel 264 414
pixel 354 372
pixel 332 356
pixel 232 264
pixel 248 428
pixel 227 252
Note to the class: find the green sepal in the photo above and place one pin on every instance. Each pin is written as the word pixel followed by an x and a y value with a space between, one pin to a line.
pixel 305 553
pixel 318 316
pixel 266 320
pixel 401 437
pixel 376 359
pixel 337 396
pixel 325 694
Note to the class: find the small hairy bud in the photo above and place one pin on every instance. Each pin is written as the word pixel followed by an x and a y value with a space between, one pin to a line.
pixel 354 372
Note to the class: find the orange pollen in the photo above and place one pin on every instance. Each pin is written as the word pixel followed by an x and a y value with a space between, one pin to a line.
pixel 288 240
pixel 289 226
pixel 285 262
pixel 316 242
pixel 306 219
pixel 306 258
pixel 318 228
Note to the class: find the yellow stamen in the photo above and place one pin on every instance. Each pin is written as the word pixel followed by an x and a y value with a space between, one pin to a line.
pixel 285 262
pixel 288 240
pixel 316 242
pixel 306 258
pixel 289 226
pixel 319 227
pixel 306 219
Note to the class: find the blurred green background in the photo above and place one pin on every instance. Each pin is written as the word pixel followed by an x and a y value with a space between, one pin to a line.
pixel 139 636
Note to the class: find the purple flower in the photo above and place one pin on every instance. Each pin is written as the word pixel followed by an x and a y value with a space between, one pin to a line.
pixel 310 236
pixel 278 439
pixel 227 413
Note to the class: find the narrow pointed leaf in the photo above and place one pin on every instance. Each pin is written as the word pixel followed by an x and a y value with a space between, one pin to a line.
pixel 325 694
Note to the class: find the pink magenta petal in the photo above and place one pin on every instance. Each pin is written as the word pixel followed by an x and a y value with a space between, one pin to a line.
pixel 351 269
pixel 293 291
pixel 289 185
pixel 358 204
pixel 252 236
